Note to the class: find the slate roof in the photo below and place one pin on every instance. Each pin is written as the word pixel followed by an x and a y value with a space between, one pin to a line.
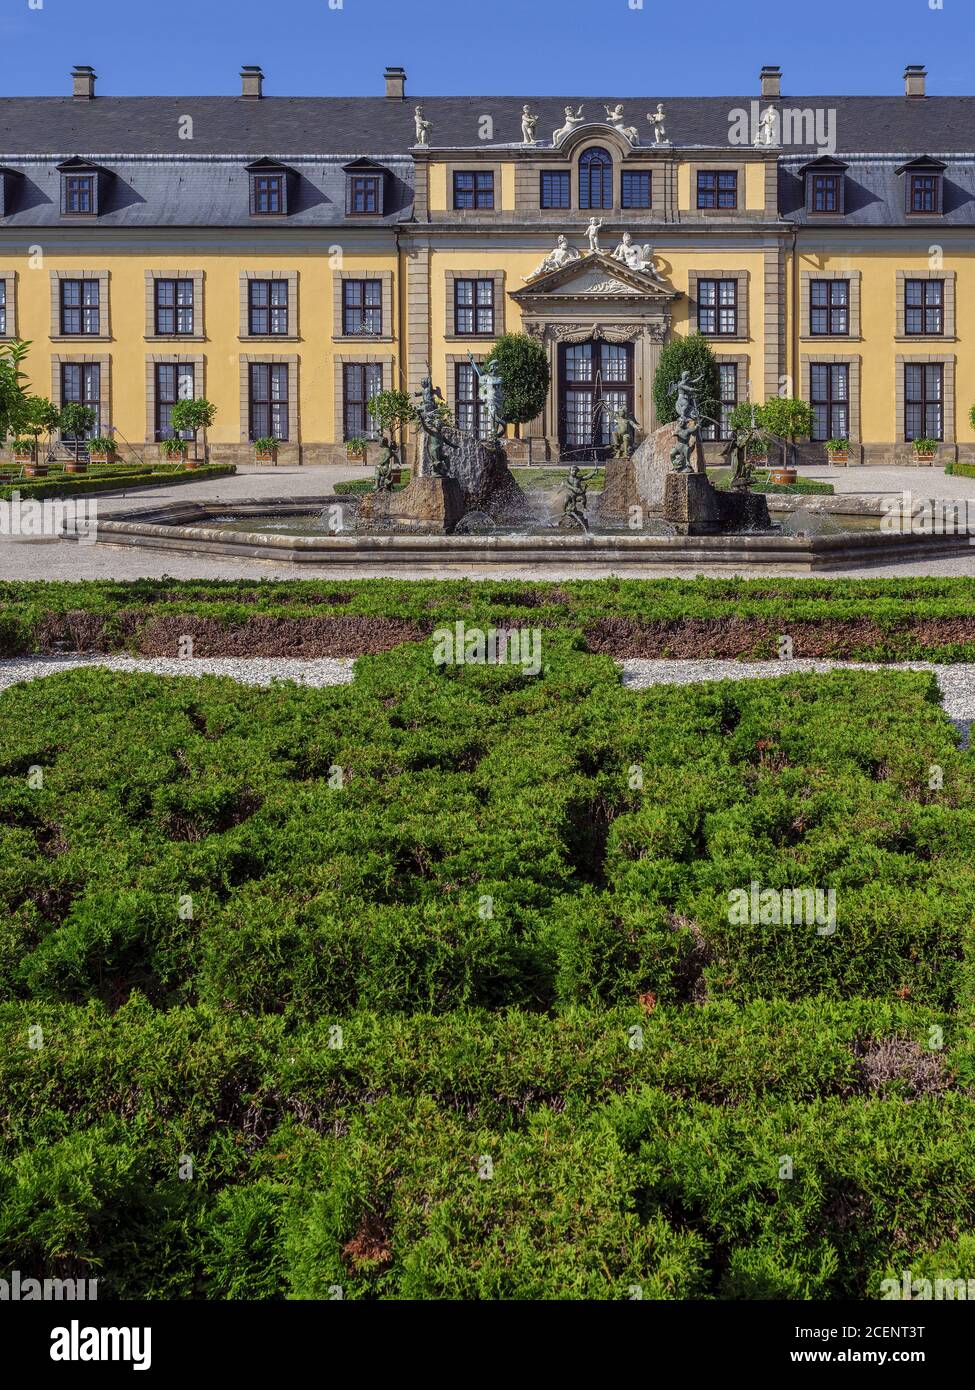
pixel 875 195
pixel 287 126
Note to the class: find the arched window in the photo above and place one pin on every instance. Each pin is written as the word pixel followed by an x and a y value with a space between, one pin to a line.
pixel 596 179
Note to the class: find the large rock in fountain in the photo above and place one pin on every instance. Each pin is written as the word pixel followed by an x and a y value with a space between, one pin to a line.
pixel 744 511
pixel 637 481
pixel 427 505
pixel 487 483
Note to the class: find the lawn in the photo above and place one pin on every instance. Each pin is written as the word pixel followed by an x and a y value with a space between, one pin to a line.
pixel 427 987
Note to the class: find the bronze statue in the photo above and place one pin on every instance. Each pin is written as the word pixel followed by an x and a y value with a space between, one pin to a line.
pixel 386 465
pixel 689 422
pixel 431 419
pixel 575 503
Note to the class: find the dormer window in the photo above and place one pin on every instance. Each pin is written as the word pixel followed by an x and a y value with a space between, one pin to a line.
pixel 924 186
pixel 365 186
pixel 8 182
pixel 825 180
pixel 268 188
pixel 81 188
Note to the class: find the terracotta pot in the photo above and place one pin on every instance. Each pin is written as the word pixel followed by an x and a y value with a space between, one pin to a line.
pixel 76 467
pixel 782 475
pixel 35 470
pixel 758 460
pixel 96 457
pixel 23 458
pixel 262 457
pixel 191 463
pixel 355 457
pixel 839 456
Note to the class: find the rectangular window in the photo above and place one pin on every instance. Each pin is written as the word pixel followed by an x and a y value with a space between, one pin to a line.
pixel 268 194
pixel 360 382
pixel 3 308
pixel 825 193
pixel 364 194
pixel 473 307
pixel 924 195
pixel 174 308
pixel 80 310
pixel 468 413
pixel 362 308
pixel 923 400
pixel 717 307
pixel 728 389
pixel 474 190
pixel 79 194
pixel 268 308
pixel 716 189
pixel 635 190
pixel 81 383
pixel 829 396
pixel 829 308
pixel 924 307
pixel 555 190
pixel 269 400
pixel 174 382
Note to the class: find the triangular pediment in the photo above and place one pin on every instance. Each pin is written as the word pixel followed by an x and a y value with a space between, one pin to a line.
pixel 594 276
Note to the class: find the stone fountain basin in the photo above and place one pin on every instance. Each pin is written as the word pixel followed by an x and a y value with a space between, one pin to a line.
pixel 202 528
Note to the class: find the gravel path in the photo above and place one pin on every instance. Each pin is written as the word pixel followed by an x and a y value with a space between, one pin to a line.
pixel 956 682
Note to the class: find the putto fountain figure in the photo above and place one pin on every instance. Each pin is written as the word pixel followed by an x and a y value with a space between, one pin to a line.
pixel 436 458
pixel 490 393
pixel 576 502
pixel 689 422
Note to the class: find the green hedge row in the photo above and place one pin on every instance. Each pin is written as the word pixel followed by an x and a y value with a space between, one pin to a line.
pixel 960 470
pixel 84 486
pixel 427 987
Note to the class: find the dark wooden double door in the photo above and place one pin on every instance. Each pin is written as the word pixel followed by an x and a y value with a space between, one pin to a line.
pixel 595 379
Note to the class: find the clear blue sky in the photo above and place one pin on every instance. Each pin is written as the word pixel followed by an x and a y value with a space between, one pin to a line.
pixel 307 47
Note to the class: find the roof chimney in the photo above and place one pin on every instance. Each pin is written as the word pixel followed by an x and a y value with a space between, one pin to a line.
pixel 251 81
pixel 914 75
pixel 771 80
pixel 83 78
pixel 396 83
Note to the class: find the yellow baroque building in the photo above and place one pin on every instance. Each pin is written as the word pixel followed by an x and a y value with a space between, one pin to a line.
pixel 287 257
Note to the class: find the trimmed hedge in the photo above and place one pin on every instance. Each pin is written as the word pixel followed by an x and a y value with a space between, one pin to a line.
pixel 960 470
pixel 82 485
pixel 440 1002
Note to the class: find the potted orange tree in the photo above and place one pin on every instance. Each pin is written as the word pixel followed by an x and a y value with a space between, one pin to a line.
pixel 75 420
pixel 789 420
pixel 175 450
pixel 195 415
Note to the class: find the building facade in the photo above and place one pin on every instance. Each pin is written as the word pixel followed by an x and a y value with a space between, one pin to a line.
pixel 288 257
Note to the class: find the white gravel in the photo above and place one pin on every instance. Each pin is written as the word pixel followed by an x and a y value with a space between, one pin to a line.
pixel 956 682
pixel 319 671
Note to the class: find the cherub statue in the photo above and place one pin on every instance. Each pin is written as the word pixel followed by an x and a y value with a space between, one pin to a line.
pixel 614 114
pixel 658 120
pixel 571 121
pixel 576 495
pixel 422 127
pixel 529 120
pixel 592 232
pixel 623 427
pixel 431 422
pixel 767 131
pixel 562 255
pixel 386 464
pixel 689 422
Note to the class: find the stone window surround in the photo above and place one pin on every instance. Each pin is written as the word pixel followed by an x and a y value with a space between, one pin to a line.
pixel 742 364
pixel 292 335
pixel 851 359
pixel 741 276
pixel 450 279
pixel 528 183
pixel 386 361
pixel 806 278
pixel 473 165
pixel 272 358
pixel 104 335
pixel 176 359
pixel 9 278
pixel 947 361
pixel 338 321
pixel 717 166
pixel 950 279
pixel 104 382
pixel 199 332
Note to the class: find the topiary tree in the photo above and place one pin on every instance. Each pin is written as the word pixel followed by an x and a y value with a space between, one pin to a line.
pixel 525 376
pixel 692 354
pixel 197 414
pixel 787 419
pixel 76 420
pixel 35 415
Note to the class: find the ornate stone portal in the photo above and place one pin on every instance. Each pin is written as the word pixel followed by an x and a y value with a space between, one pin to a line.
pixel 596 299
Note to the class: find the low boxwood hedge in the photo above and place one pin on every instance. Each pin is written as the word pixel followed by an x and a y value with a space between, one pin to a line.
pixel 84 485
